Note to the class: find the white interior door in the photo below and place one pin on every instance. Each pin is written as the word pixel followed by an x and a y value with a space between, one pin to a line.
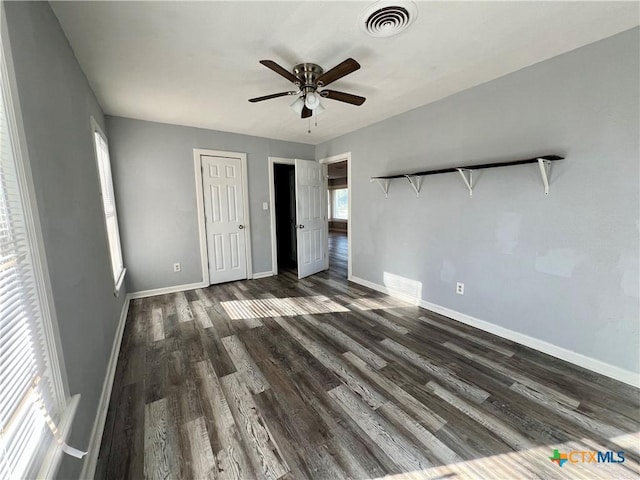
pixel 311 217
pixel 222 180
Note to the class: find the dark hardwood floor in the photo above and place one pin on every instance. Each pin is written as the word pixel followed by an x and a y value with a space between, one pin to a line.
pixel 338 254
pixel 321 378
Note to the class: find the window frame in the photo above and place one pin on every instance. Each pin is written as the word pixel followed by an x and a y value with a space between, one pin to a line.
pixel 49 451
pixel 332 195
pixel 118 279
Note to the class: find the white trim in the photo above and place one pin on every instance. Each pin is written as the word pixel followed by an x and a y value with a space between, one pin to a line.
pixel 272 208
pixel 335 159
pixel 570 356
pixel 598 366
pixel 119 278
pixel 120 281
pixel 47 309
pixel 383 289
pixel 258 275
pixel 53 457
pixel 59 380
pixel 165 290
pixel 91 460
pixel 197 166
pixel 202 231
pixel 65 405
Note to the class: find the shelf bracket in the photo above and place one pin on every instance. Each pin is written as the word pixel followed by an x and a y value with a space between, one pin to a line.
pixel 468 181
pixel 383 183
pixel 545 171
pixel 415 181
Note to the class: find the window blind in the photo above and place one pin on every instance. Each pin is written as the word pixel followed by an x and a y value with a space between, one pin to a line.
pixel 109 205
pixel 24 368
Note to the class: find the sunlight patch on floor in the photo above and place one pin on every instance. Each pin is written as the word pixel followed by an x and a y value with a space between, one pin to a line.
pixel 629 442
pixel 280 307
pixel 521 464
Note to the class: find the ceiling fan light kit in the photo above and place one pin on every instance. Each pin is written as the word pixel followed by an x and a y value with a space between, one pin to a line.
pixel 386 18
pixel 298 105
pixel 312 100
pixel 310 79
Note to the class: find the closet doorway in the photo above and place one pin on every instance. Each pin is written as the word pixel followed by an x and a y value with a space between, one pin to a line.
pixel 284 184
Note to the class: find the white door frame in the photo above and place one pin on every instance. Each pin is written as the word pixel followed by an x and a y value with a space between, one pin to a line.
pixel 335 159
pixel 272 207
pixel 197 165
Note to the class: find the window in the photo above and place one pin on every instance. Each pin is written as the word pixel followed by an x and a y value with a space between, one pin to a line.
pixel 109 205
pixel 340 204
pixel 30 375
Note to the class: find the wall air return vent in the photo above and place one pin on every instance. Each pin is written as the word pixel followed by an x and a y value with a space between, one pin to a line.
pixel 386 18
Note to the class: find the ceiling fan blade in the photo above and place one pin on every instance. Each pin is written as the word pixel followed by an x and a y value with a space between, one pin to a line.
pixel 280 70
pixel 269 97
pixel 339 71
pixel 343 97
pixel 306 112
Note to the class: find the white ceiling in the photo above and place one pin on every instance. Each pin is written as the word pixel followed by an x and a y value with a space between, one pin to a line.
pixel 196 63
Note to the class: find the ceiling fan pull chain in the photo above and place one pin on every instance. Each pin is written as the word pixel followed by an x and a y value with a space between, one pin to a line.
pixel 309 129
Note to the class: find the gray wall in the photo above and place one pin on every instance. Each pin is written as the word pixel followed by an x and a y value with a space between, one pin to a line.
pixel 562 268
pixel 155 184
pixel 56 102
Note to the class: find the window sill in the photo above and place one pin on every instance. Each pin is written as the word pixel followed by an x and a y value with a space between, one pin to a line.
pixel 52 459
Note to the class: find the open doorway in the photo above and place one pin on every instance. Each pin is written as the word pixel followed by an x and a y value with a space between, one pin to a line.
pixel 298 216
pixel 284 181
pixel 338 214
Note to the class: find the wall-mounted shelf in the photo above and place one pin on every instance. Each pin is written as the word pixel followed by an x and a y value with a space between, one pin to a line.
pixel 466 172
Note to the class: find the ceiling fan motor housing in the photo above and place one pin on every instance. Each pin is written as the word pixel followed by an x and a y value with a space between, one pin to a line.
pixel 308 74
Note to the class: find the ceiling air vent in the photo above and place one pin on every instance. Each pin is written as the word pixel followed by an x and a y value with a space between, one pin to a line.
pixel 386 18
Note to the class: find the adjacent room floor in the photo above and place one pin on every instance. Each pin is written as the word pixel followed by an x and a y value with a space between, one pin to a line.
pixel 321 378
pixel 338 253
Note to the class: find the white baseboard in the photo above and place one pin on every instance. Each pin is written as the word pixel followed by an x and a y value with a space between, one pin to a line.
pixel 165 290
pixel 382 289
pixel 91 460
pixel 598 366
pixel 262 275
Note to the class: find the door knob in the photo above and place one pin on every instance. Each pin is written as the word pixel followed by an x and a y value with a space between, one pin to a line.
pixel 240 227
pixel 300 226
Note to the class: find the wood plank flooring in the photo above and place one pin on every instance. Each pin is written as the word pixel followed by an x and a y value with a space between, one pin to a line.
pixel 248 380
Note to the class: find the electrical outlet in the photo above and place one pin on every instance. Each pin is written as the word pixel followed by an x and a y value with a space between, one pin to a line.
pixel 460 288
pixel 176 267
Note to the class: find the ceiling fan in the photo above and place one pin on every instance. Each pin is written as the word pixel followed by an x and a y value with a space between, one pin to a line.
pixel 311 80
